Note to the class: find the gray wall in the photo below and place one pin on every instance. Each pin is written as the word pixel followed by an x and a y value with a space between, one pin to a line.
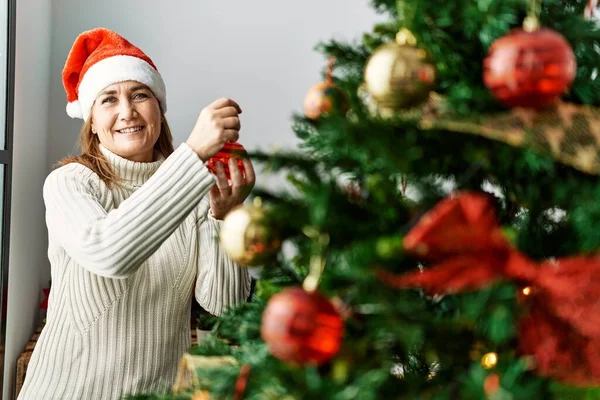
pixel 258 52
pixel 28 265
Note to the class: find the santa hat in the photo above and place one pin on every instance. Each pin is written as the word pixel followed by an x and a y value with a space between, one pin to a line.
pixel 99 58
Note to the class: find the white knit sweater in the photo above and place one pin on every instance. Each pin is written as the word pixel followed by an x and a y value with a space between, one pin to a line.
pixel 125 262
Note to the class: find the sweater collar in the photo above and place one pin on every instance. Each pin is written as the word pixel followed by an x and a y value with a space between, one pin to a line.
pixel 132 172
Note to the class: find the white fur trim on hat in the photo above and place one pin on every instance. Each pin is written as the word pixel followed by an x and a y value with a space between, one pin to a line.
pixel 118 69
pixel 74 109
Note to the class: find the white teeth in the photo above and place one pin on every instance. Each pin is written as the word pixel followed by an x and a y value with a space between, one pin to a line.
pixel 131 130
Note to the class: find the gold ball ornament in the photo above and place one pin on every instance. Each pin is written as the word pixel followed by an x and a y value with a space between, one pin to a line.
pixel 247 236
pixel 399 75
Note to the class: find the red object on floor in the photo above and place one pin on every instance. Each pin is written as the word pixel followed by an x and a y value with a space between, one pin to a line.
pixel 44 303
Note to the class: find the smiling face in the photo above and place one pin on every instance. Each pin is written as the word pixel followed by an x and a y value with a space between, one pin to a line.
pixel 126 116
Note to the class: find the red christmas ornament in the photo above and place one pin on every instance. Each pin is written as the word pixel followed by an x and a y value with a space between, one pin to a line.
pixel 230 150
pixel 321 99
pixel 302 327
pixel 324 97
pixel 529 69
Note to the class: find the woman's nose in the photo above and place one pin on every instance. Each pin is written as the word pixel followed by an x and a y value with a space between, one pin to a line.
pixel 127 110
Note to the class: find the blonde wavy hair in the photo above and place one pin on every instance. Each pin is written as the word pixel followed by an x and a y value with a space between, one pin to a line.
pixel 92 157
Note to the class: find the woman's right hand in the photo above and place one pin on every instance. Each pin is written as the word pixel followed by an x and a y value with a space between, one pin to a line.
pixel 218 123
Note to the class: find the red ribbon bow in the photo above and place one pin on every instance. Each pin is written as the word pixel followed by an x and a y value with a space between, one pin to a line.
pixel 463 241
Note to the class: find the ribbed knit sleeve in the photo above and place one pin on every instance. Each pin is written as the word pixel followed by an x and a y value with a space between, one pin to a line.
pixel 221 282
pixel 114 244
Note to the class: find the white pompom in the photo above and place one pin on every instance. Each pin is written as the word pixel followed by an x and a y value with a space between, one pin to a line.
pixel 74 109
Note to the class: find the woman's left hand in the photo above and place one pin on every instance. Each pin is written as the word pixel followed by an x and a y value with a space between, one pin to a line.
pixel 225 196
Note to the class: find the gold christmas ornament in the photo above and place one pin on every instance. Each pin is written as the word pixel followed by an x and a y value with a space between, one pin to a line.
pixel 399 75
pixel 247 237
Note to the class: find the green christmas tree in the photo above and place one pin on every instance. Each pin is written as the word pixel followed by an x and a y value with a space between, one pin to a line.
pixel 449 230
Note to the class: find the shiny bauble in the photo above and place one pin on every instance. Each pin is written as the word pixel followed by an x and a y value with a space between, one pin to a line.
pixel 399 76
pixel 248 237
pixel 302 327
pixel 529 69
pixel 322 99
pixel 230 150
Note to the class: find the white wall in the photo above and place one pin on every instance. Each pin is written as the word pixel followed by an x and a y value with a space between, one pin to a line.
pixel 28 265
pixel 258 52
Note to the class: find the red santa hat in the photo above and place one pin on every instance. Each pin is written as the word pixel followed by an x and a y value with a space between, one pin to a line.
pixel 99 58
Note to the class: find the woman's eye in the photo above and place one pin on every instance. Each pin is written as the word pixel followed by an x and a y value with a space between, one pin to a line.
pixel 140 96
pixel 109 100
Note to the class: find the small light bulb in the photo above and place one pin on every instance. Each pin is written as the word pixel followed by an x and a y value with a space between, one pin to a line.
pixel 489 360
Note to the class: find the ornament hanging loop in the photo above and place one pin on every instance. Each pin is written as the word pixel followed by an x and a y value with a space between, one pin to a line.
pixel 329 73
pixel 406 37
pixel 532 21
pixel 317 260
pixel 406 14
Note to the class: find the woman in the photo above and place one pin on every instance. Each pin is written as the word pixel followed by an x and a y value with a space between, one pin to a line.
pixel 132 232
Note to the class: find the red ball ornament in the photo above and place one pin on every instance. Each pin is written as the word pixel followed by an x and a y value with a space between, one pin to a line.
pixel 325 97
pixel 322 99
pixel 529 69
pixel 302 327
pixel 230 150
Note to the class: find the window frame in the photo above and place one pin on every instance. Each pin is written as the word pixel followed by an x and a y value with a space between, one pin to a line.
pixel 6 159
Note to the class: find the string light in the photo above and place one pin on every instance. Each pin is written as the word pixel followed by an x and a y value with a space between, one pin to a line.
pixel 489 360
